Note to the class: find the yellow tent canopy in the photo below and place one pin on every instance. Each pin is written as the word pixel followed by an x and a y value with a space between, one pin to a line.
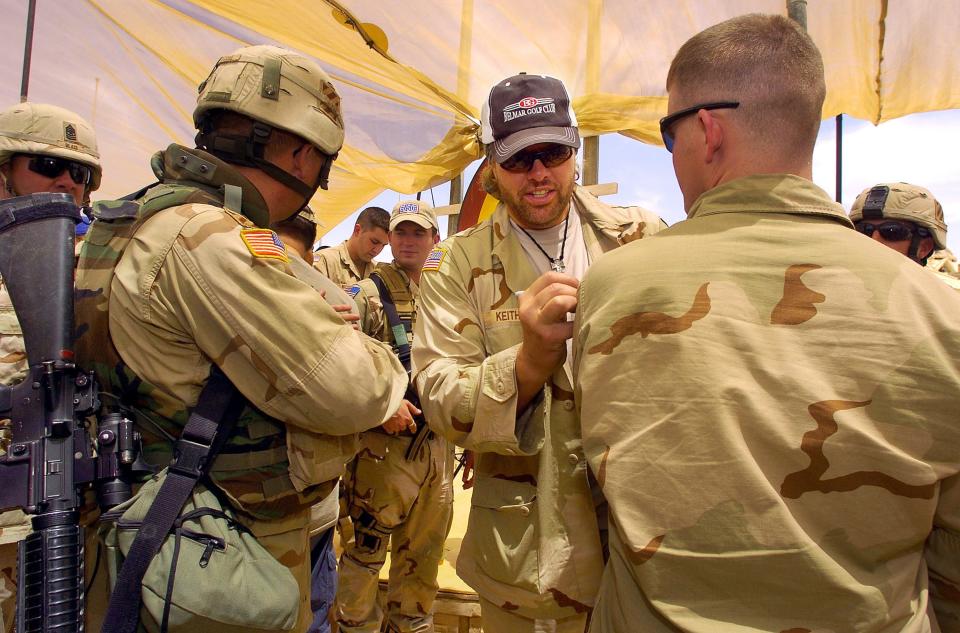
pixel 412 74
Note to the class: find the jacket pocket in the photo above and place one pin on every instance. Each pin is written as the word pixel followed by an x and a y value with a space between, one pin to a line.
pixel 502 531
pixel 316 458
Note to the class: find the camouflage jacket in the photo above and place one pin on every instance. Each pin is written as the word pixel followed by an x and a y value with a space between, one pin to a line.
pixel 13 357
pixel 335 262
pixel 769 401
pixel 174 281
pixel 532 542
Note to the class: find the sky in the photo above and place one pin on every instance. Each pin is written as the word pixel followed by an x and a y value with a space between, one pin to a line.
pixel 920 149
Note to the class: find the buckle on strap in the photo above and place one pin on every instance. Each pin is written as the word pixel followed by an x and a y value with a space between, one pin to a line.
pixel 190 458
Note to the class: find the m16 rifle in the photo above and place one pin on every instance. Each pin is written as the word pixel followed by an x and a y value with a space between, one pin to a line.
pixel 51 460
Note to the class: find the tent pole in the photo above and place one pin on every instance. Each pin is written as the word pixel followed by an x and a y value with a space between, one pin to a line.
pixel 27 50
pixel 591 144
pixel 456 197
pixel 839 159
pixel 797 11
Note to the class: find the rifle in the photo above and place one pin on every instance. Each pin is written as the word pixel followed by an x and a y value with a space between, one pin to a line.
pixel 51 458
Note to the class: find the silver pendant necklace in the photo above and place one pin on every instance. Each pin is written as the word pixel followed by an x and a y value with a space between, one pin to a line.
pixel 556 263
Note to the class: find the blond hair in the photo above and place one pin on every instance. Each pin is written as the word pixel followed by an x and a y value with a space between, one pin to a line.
pixel 766 62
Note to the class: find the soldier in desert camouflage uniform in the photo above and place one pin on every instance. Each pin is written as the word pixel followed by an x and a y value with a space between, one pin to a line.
pixel 490 366
pixel 352 260
pixel 43 148
pixel 400 505
pixel 772 416
pixel 186 275
pixel 299 233
pixel 908 219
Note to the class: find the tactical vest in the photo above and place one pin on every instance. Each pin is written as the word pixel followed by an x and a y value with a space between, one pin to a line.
pixel 402 298
pixel 252 469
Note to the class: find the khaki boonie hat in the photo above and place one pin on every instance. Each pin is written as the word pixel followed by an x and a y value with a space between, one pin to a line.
pixel 48 130
pixel 902 201
pixel 416 211
pixel 278 87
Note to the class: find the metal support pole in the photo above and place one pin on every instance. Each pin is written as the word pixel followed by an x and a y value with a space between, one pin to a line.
pixel 839 159
pixel 456 197
pixel 27 51
pixel 797 11
pixel 591 160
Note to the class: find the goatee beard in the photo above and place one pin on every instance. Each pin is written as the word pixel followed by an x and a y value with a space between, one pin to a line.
pixel 533 217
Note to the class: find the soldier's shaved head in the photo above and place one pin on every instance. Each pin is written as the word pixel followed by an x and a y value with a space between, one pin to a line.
pixel 766 62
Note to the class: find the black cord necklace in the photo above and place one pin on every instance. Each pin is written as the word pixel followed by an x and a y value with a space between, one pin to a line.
pixel 556 263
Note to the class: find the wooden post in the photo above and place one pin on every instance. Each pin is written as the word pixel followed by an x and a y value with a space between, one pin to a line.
pixel 591 160
pixel 456 197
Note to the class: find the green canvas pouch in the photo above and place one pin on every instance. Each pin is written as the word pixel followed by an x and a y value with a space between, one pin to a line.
pixel 210 574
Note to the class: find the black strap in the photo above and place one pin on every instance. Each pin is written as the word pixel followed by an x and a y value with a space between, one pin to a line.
pixel 207 430
pixel 402 344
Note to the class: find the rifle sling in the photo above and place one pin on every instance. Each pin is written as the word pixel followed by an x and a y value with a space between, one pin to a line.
pixel 397 325
pixel 205 433
pixel 402 344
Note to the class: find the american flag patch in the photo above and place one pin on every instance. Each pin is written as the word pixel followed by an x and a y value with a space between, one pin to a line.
pixel 354 290
pixel 434 259
pixel 264 243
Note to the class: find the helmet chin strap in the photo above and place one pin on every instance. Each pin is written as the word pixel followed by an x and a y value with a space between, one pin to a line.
pixel 249 151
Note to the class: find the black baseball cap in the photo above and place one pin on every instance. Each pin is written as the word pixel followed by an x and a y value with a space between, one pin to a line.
pixel 524 110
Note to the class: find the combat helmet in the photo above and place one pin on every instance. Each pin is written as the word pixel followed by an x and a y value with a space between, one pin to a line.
pixel 276 88
pixel 903 201
pixel 48 130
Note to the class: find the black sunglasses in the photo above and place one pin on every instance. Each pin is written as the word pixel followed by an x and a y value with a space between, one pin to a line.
pixel 891 231
pixel 51 167
pixel 550 157
pixel 667 122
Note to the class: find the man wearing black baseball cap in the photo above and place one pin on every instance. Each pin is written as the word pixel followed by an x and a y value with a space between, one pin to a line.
pixel 492 367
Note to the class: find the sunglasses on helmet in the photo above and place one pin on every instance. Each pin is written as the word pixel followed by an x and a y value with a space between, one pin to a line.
pixel 551 156
pixel 666 123
pixel 52 167
pixel 890 231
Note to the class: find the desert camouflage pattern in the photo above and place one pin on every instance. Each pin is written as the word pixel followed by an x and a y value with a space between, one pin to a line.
pixel 943 263
pixel 772 418
pixel 14 524
pixel 166 286
pixel 907 202
pixel 279 87
pixel 943 260
pixel 336 264
pixel 49 130
pixel 532 544
pixel 411 502
pixel 13 356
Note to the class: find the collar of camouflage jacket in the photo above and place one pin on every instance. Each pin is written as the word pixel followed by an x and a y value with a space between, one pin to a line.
pixel 181 164
pixel 769 193
pixel 603 228
pixel 609 227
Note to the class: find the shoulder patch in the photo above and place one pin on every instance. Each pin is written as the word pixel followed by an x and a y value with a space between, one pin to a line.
pixel 353 290
pixel 264 244
pixel 434 259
